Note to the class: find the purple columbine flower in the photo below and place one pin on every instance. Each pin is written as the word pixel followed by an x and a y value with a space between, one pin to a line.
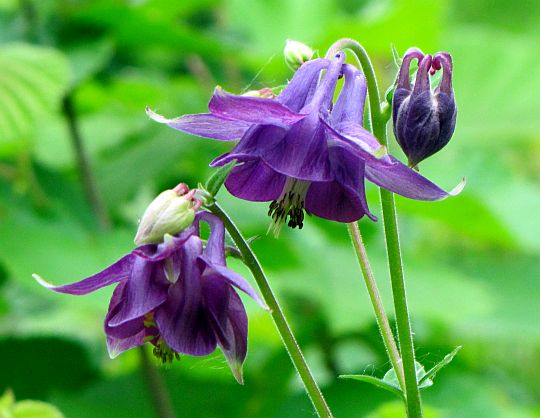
pixel 424 121
pixel 302 152
pixel 177 295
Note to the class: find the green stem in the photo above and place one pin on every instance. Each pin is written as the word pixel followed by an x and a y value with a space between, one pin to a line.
pixel 313 391
pixel 378 123
pixel 378 307
pixel 395 264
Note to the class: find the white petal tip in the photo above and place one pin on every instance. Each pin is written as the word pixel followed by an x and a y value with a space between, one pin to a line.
pixel 154 116
pixel 113 353
pixel 459 188
pixel 236 370
pixel 42 281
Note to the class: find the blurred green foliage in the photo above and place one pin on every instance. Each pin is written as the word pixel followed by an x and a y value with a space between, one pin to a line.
pixel 472 262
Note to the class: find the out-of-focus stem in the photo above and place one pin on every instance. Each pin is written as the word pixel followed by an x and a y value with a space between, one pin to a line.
pixel 156 387
pixel 83 162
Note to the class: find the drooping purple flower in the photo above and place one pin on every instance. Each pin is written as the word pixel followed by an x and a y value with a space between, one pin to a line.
pixel 424 121
pixel 178 295
pixel 302 152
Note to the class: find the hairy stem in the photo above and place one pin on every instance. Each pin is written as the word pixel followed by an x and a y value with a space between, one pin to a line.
pixel 378 307
pixel 158 391
pixel 284 330
pixel 378 123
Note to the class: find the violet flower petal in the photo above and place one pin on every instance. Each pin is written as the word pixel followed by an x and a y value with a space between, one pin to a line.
pixel 255 181
pixel 153 252
pixel 116 346
pixel 344 199
pixel 391 174
pixel 114 273
pixel 303 153
pixel 251 109
pixel 206 125
pixel 126 336
pixel 126 329
pixel 235 333
pixel 234 279
pixel 322 99
pixel 259 140
pixel 350 104
pixel 181 319
pixel 216 296
pixel 144 291
pixel 297 93
pixel 405 181
pixel 214 251
pixel 358 135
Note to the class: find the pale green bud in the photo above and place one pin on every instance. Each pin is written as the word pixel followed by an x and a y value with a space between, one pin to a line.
pixel 296 53
pixel 169 213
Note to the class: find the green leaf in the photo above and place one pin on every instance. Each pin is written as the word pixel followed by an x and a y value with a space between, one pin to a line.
pixel 26 409
pixel 6 402
pixel 395 57
pixel 89 58
pixel 430 374
pixel 389 95
pixel 395 409
pixel 35 409
pixel 32 82
pixel 217 179
pixel 63 364
pixel 390 377
pixel 383 384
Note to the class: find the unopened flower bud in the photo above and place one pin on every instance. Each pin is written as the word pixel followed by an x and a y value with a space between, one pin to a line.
pixel 424 120
pixel 296 53
pixel 169 213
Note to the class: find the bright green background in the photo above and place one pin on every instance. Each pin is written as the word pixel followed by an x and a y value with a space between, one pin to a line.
pixel 472 262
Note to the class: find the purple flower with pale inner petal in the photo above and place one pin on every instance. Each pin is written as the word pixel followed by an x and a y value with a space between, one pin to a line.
pixel 302 152
pixel 176 295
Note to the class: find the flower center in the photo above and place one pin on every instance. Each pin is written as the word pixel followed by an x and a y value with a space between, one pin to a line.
pixel 290 206
pixel 162 351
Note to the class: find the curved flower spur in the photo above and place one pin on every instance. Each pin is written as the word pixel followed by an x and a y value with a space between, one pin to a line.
pixel 303 153
pixel 176 294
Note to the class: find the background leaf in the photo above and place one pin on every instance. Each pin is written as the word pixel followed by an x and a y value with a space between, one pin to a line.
pixel 32 83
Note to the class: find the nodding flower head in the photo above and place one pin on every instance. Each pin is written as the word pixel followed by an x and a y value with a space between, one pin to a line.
pixel 303 151
pixel 424 120
pixel 178 295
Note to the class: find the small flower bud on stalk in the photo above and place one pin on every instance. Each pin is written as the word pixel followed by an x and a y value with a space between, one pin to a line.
pixel 296 53
pixel 169 213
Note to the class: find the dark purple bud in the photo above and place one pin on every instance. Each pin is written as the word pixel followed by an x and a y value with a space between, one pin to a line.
pixel 424 120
